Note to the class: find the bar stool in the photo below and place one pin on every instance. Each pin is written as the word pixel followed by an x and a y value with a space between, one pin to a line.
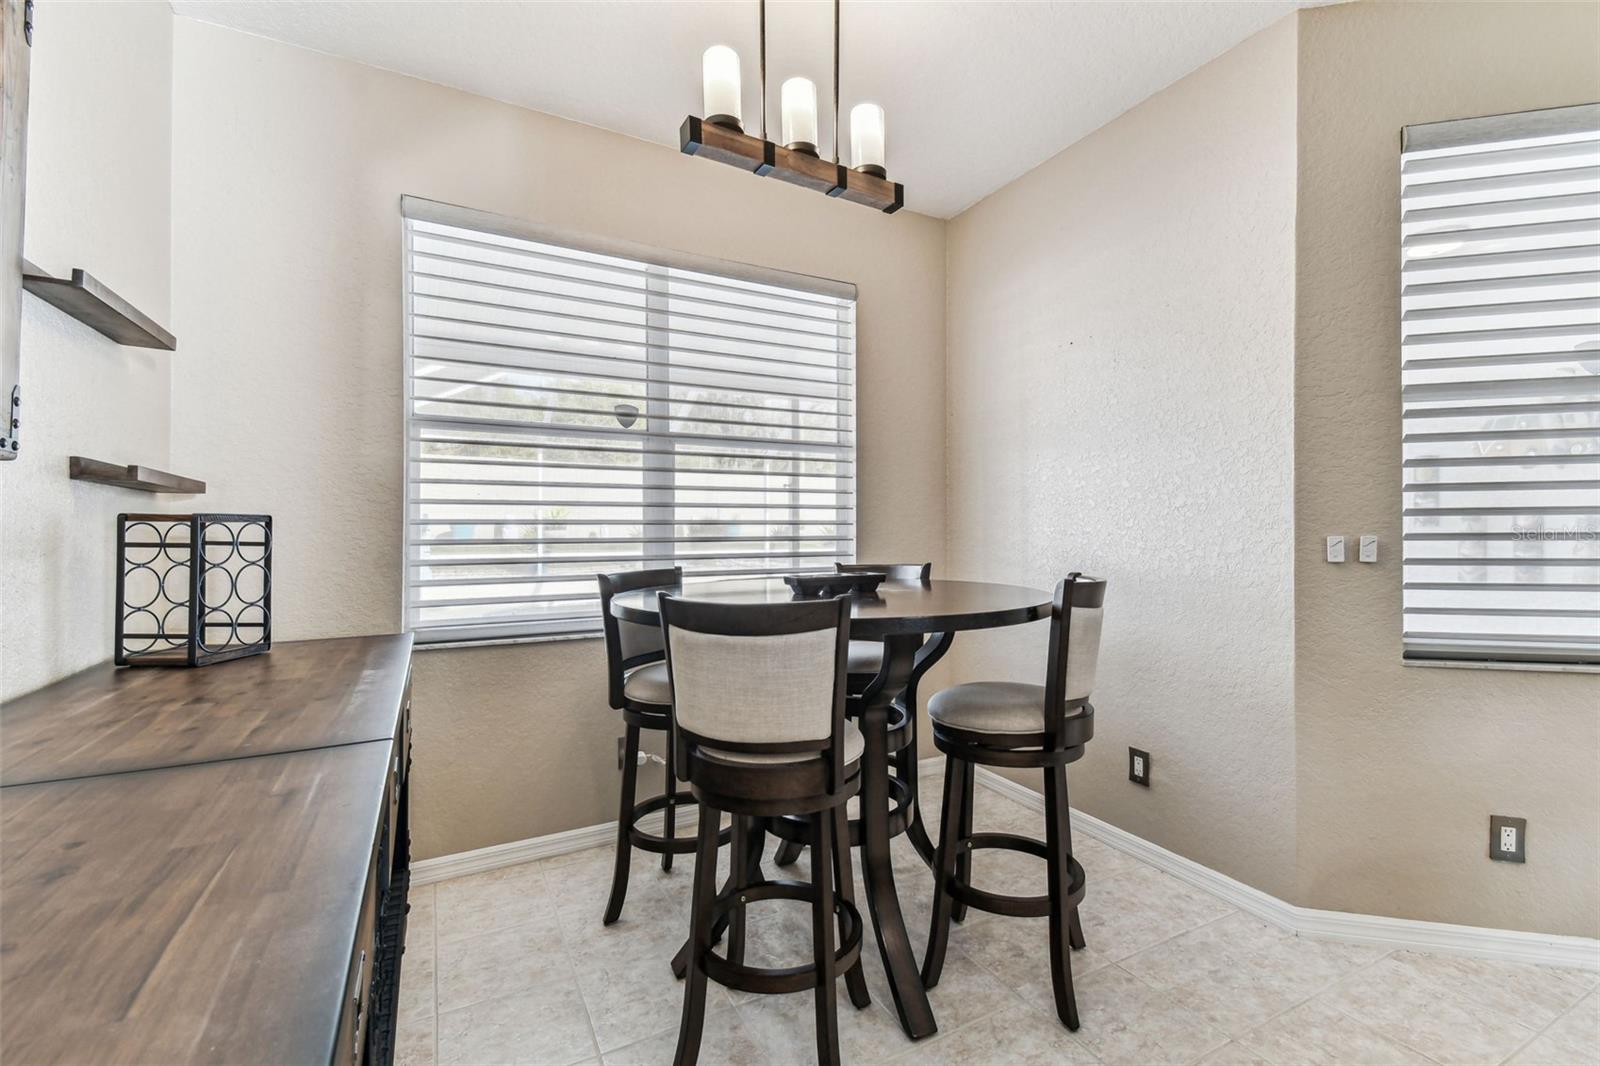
pixel 759 731
pixel 866 658
pixel 640 688
pixel 1003 723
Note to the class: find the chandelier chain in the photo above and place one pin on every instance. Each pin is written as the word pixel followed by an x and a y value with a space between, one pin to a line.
pixel 763 69
pixel 835 81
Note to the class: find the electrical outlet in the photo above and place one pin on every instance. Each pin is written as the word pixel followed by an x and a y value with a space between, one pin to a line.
pixel 1139 767
pixel 1335 549
pixel 1508 838
pixel 1369 548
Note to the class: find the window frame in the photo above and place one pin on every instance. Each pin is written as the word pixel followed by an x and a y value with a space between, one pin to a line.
pixel 416 208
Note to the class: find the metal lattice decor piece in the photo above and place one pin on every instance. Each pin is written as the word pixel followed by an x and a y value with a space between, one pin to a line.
pixel 193 589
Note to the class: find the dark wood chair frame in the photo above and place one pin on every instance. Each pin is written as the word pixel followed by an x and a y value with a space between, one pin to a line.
pixel 816 789
pixel 905 806
pixel 1068 726
pixel 636 716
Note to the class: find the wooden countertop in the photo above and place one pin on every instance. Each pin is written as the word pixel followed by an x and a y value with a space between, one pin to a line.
pixel 199 913
pixel 300 695
pixel 186 852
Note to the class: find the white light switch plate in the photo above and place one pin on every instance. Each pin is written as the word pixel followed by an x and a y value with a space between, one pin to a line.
pixel 1335 549
pixel 1369 548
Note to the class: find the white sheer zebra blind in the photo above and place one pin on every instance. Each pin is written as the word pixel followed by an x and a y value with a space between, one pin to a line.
pixel 1500 376
pixel 576 406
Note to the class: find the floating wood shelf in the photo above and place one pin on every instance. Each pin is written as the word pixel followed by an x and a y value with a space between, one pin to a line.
pixel 145 478
pixel 83 297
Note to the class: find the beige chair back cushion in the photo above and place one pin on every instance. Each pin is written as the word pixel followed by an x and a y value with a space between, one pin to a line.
pixel 768 689
pixel 635 639
pixel 1083 651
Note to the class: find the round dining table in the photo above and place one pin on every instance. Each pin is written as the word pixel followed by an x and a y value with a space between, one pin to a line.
pixel 916 622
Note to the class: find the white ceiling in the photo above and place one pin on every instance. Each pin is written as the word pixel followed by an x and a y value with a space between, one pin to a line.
pixel 976 93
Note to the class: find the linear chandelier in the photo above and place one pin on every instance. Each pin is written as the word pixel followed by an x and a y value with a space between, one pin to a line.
pixel 720 134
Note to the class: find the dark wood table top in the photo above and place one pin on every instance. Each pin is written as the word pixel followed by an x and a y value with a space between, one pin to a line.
pixel 301 694
pixel 200 913
pixel 898 607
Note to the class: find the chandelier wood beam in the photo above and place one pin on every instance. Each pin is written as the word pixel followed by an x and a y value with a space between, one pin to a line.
pixel 721 138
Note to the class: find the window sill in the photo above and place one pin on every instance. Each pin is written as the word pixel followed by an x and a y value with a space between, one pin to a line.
pixel 553 638
pixel 1538 668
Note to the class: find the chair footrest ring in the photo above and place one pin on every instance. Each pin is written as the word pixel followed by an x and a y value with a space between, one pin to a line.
pixel 784 979
pixel 1013 906
pixel 659 844
pixel 797 829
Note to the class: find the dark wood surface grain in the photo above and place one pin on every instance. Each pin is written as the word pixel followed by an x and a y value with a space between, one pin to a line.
pixel 300 695
pixel 200 913
pixel 899 607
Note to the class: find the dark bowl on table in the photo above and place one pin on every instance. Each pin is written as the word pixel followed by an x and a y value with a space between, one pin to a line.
pixel 815 586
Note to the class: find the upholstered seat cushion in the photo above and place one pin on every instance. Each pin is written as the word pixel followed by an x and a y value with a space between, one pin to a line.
pixel 854 745
pixel 866 656
pixel 649 684
pixel 990 707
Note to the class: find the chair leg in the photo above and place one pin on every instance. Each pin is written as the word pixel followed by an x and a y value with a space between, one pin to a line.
pixel 680 961
pixel 964 860
pixel 755 844
pixel 669 816
pixel 619 873
pixel 1075 925
pixel 822 926
pixel 944 871
pixel 738 878
pixel 704 896
pixel 788 853
pixel 1057 852
pixel 855 978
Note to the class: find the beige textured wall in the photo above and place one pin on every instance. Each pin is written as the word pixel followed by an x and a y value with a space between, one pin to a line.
pixel 98 197
pixel 1400 768
pixel 1120 327
pixel 289 166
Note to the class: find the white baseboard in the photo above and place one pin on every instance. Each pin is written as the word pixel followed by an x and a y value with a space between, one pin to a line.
pixel 1505 945
pixel 512 853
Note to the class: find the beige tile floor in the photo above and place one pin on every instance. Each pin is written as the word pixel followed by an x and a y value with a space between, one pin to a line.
pixel 513 966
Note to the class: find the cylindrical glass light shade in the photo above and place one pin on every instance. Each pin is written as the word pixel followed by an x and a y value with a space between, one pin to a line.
pixel 866 139
pixel 799 101
pixel 721 67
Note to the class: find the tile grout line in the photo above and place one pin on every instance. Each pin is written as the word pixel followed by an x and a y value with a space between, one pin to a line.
pixel 588 1016
pixel 1549 1025
pixel 1409 1047
pixel 1162 943
pixel 433 910
pixel 1358 1021
pixel 1351 1019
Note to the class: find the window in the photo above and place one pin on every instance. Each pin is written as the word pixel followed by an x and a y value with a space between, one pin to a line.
pixel 1500 373
pixel 577 406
